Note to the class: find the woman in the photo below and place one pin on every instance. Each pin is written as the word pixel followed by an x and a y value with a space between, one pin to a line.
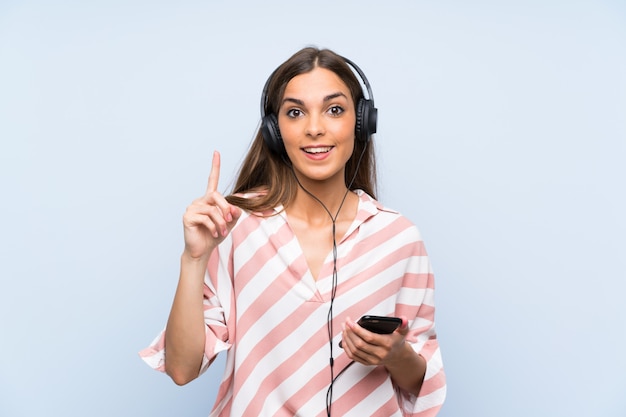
pixel 274 273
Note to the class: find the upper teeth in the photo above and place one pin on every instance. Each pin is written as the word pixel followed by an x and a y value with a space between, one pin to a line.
pixel 317 150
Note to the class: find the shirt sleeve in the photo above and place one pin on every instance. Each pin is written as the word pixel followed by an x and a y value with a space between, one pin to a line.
pixel 416 300
pixel 216 329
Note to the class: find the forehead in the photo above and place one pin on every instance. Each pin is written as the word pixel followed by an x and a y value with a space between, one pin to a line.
pixel 319 82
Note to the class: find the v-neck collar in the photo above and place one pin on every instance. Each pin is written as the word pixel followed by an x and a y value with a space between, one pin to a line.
pixel 322 286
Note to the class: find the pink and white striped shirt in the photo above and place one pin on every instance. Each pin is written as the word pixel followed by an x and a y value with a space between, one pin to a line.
pixel 263 307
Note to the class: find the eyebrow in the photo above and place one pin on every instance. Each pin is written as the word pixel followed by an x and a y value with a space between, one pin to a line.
pixel 327 98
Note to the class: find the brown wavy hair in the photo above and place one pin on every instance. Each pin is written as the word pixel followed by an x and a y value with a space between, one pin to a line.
pixel 269 175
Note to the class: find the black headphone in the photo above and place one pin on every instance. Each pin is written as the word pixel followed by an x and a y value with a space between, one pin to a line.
pixel 366 116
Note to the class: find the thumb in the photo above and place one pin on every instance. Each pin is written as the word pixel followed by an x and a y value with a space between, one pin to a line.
pixel 232 216
pixel 235 213
pixel 404 327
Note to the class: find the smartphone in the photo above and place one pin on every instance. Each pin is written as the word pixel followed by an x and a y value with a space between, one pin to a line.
pixel 379 324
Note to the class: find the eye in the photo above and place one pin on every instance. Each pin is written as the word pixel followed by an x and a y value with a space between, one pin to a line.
pixel 335 110
pixel 294 113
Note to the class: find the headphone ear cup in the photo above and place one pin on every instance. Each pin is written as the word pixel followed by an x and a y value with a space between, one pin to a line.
pixel 271 134
pixel 366 118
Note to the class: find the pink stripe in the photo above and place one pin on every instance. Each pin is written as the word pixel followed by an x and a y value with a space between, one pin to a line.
pixel 431 412
pixel 266 300
pixel 425 312
pixel 264 253
pixel 212 269
pixel 275 336
pixel 367 304
pixel 389 408
pixel 320 382
pixel 245 226
pixel 363 388
pixel 287 368
pixel 429 349
pixel 225 409
pixel 400 225
pixel 155 348
pixel 383 265
pixel 349 283
pixel 433 383
pixel 419 281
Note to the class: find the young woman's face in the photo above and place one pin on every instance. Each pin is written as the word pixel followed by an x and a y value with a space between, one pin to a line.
pixel 316 120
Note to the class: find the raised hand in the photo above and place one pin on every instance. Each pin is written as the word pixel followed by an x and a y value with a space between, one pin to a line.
pixel 209 219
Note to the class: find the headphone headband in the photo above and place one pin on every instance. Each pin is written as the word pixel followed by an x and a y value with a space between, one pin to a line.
pixel 370 95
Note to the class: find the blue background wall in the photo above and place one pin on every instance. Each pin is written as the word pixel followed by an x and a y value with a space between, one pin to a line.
pixel 502 135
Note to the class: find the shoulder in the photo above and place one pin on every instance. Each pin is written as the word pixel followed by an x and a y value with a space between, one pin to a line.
pixel 252 220
pixel 375 208
pixel 376 216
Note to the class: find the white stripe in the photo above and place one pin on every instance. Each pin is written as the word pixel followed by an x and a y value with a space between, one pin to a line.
pixel 427 401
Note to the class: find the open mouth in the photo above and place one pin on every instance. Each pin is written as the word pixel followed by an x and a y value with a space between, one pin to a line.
pixel 321 149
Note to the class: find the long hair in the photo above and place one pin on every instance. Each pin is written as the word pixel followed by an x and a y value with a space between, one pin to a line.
pixel 267 175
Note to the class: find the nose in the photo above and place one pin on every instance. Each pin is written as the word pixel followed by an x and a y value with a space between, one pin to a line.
pixel 315 126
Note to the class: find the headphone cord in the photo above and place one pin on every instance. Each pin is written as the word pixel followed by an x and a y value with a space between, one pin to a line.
pixel 333 293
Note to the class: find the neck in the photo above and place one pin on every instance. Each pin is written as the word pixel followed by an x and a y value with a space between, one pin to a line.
pixel 321 203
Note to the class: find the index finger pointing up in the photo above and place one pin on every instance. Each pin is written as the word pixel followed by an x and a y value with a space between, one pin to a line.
pixel 214 177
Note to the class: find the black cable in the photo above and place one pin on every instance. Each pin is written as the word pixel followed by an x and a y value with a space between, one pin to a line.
pixel 329 318
pixel 329 393
pixel 333 293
